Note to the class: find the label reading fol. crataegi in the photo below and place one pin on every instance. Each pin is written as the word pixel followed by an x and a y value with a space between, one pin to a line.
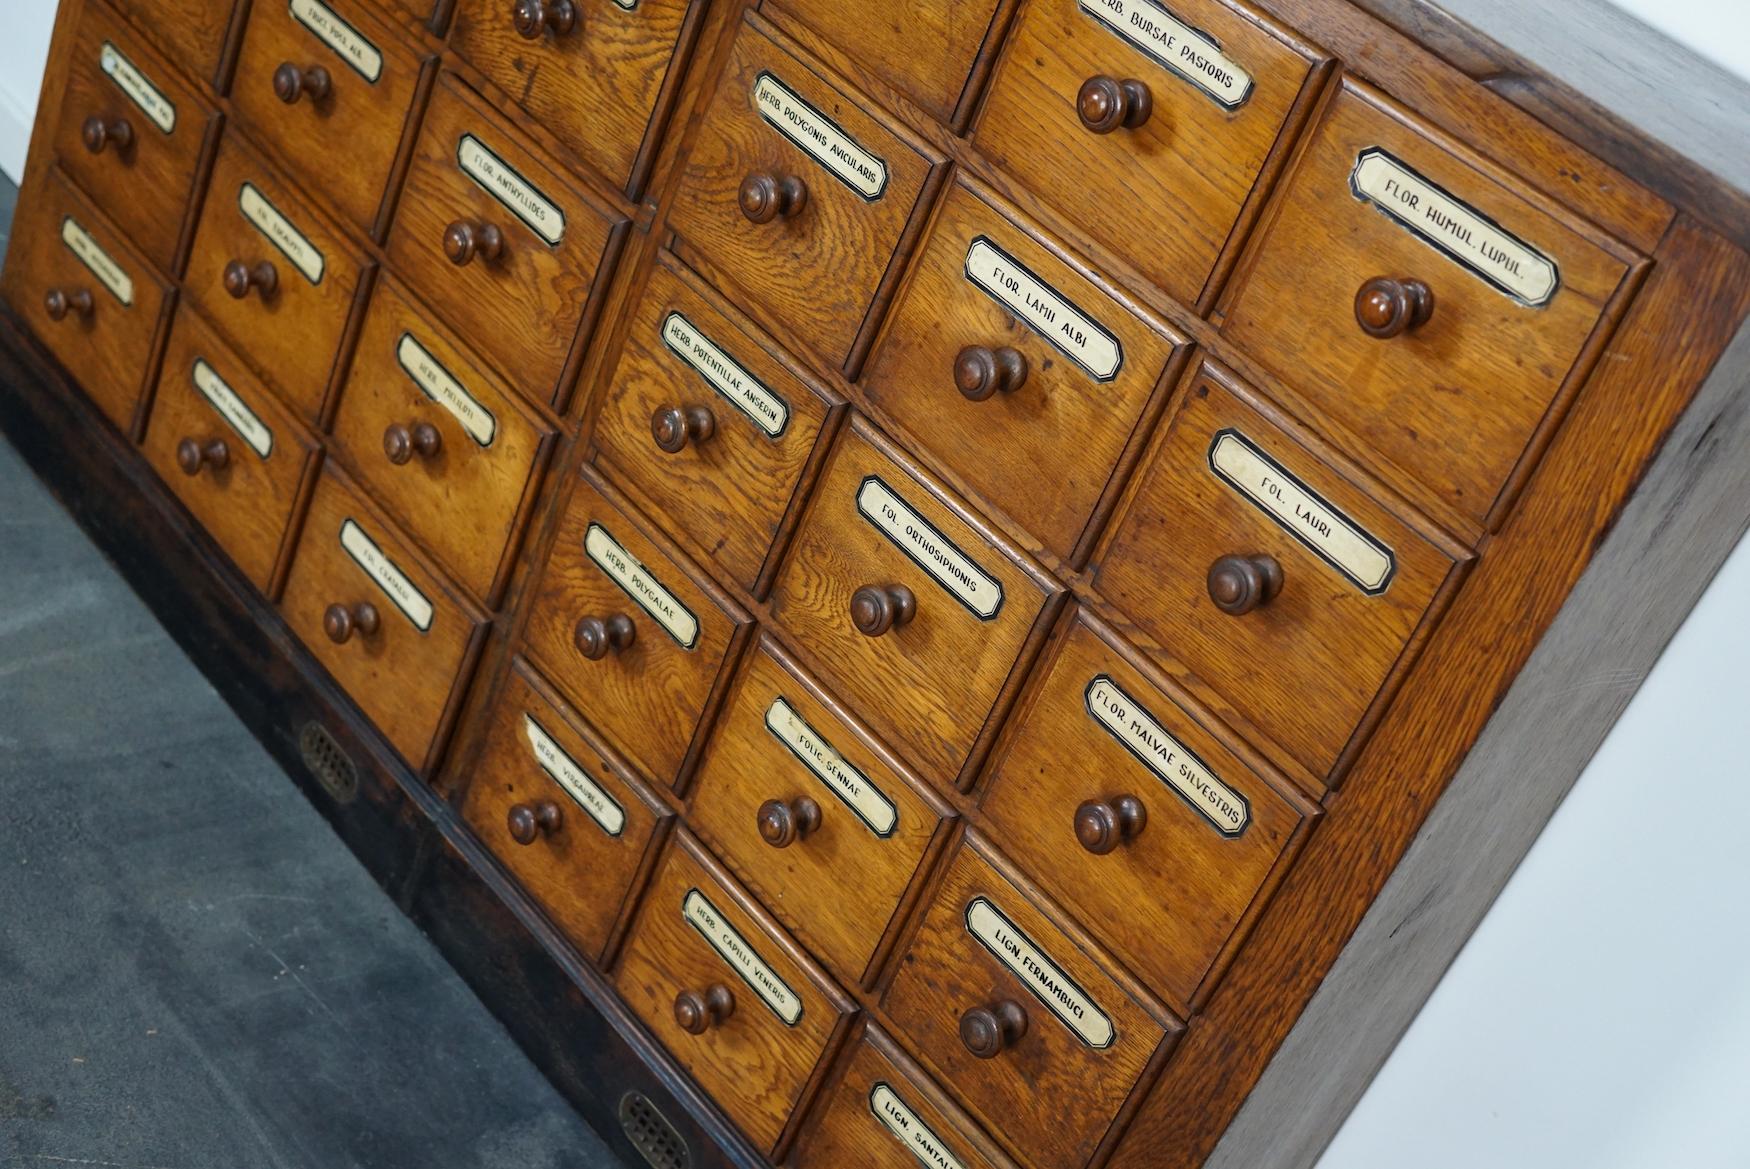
pixel 842 155
pixel 851 786
pixel 221 397
pixel 390 579
pixel 1140 733
pixel 500 180
pixel 272 223
pixel 1045 978
pixel 1453 226
pixel 441 386
pixel 340 36
pixel 767 410
pixel 625 570
pixel 1045 310
pixel 1303 512
pixel 577 782
pixel 933 552
pixel 132 82
pixel 898 1118
pixel 1162 36
pixel 742 958
pixel 109 273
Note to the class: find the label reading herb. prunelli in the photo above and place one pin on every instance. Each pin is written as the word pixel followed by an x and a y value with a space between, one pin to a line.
pixel 441 386
pixel 1045 978
pixel 1140 733
pixel 132 82
pixel 340 36
pixel 933 552
pixel 500 180
pixel 843 156
pixel 390 579
pixel 722 373
pixel 897 1117
pixel 742 958
pixel 624 570
pixel 844 781
pixel 1176 45
pixel 272 223
pixel 221 397
pixel 577 782
pixel 1047 311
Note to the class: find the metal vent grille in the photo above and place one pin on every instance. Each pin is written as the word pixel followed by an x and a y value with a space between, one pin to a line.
pixel 331 765
pixel 651 1133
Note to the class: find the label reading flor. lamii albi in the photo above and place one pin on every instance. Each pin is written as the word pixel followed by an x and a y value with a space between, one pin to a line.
pixel 520 197
pixel 844 781
pixel 390 579
pixel 843 156
pixel 1176 45
pixel 221 397
pixel 133 83
pixel 340 36
pixel 624 570
pixel 897 1117
pixel 929 549
pixel 1140 733
pixel 441 386
pixel 722 373
pixel 742 958
pixel 582 787
pixel 1047 311
pixel 272 223
pixel 109 273
pixel 1045 978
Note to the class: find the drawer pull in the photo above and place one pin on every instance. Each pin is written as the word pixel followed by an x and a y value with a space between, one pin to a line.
pixel 534 17
pixel 782 824
pixel 989 1031
pixel 1104 104
pixel 674 426
pixel 467 238
pixel 291 83
pixel 596 637
pixel 99 132
pixel 528 823
pixel 340 621
pixel 1102 825
pixel 698 1013
pixel 192 455
pixel 877 608
pixel 58 302
pixel 261 276
pixel 980 371
pixel 1239 584
pixel 401 442
pixel 1386 307
pixel 764 197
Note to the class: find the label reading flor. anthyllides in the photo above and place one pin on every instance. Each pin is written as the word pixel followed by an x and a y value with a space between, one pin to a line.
pixel 929 549
pixel 1035 968
pixel 722 373
pixel 377 565
pixel 132 82
pixel 1045 310
pixel 1140 733
pixel 862 170
pixel 350 44
pixel 578 783
pixel 871 806
pixel 742 958
pixel 908 1129
pixel 109 273
pixel 520 197
pixel 271 222
pixel 638 583
pixel 441 386
pixel 1176 45
pixel 221 397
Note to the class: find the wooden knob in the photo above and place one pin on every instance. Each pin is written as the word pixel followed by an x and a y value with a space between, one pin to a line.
pixel 401 442
pixel 989 1031
pixel 698 1012
pixel 674 426
pixel 528 822
pixel 980 371
pixel 877 608
pixel 58 302
pixel 340 621
pixel 596 637
pixel 1104 104
pixel 467 238
pixel 291 82
pixel 765 197
pixel 1239 584
pixel 1102 825
pixel 1386 307
pixel 192 455
pixel 100 132
pixel 534 17
pixel 782 824
pixel 261 276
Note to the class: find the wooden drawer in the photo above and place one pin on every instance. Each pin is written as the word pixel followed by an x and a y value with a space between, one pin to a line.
pixel 814 816
pixel 134 134
pixel 932 668
pixel 194 32
pixel 1163 195
pixel 1310 665
pixel 574 827
pixel 1518 290
pixel 1016 370
pixel 503 243
pixel 294 322
pixel 634 636
pixel 232 453
pixel 728 491
pixel 1135 817
pixel 353 571
pixel 991 971
pixel 599 75
pixel 451 450
pixel 344 142
pixel 741 1008
pixel 800 235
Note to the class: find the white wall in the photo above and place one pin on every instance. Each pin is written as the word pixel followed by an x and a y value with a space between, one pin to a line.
pixel 24 49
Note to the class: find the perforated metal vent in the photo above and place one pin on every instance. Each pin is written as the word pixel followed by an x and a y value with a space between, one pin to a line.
pixel 651 1133
pixel 331 765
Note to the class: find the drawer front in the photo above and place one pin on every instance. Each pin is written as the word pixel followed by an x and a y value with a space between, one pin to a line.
pixel 811 813
pixel 276 276
pixel 1015 369
pixel 740 1007
pixel 1164 192
pixel 502 243
pixel 398 637
pixel 800 235
pixel 692 372
pixel 1228 492
pixel 1135 817
pixel 947 613
pixel 192 31
pixel 575 829
pixel 635 639
pixel 991 972
pixel 454 454
pixel 230 452
pixel 1516 292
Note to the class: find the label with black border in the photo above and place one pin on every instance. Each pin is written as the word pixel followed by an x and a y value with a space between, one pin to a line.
pixel 909 1129
pixel 500 180
pixel 441 386
pixel 699 913
pixel 390 579
pixel 272 222
pixel 722 373
pixel 1176 765
pixel 843 157
pixel 851 786
pixel 1045 978
pixel 1176 46
pixel 1044 309
pixel 347 42
pixel 565 771
pixel 222 398
pixel 929 549
pixel 637 582
pixel 140 91
pixel 109 273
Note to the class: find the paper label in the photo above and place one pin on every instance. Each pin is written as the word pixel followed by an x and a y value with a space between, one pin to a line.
pixel 1049 984
pixel 389 578
pixel 132 82
pixel 224 399
pixel 500 180
pixel 442 387
pixel 1177 766
pixel 625 570
pixel 269 221
pixel 818 136
pixel 929 549
pixel 898 1118
pixel 765 409
pixel 578 783
pixel 1045 310
pixel 851 786
pixel 742 958
pixel 109 273
pixel 1175 45
pixel 340 36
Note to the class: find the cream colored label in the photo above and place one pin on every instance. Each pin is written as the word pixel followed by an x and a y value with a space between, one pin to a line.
pixel 843 156
pixel 1045 978
pixel 340 36
pixel 442 387
pixel 743 958
pixel 269 221
pixel 1455 227
pixel 1176 45
pixel 1045 310
pixel 898 1118
pixel 929 549
pixel 765 409
pixel 871 806
pixel 625 570
pixel 133 83
pixel 1140 733
pixel 500 180
pixel 109 273
pixel 390 579
pixel 1303 512
pixel 224 399
pixel 577 782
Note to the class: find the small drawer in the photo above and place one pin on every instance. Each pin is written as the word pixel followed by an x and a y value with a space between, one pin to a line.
pixel 742 418
pixel 1424 300
pixel 1146 125
pixel 394 633
pixel 574 828
pixel 745 1011
pixel 334 90
pixel 819 820
pixel 1016 370
pixel 600 75
pixel 134 134
pixel 1322 587
pixel 1136 818
pixel 276 277
pixel 912 610
pixel 504 244
pixel 638 639
pixel 1011 1008
pixel 233 454
pixel 796 196
pixel 195 32
pixel 453 453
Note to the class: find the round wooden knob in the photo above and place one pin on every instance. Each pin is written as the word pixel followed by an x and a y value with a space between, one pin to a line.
pixel 765 197
pixel 1239 584
pixel 467 238
pixel 596 637
pixel 1386 307
pixel 528 822
pixel 980 371
pixel 1102 825
pixel 291 82
pixel 698 1012
pixel 674 426
pixel 192 455
pixel 877 608
pixel 1104 104
pixel 100 132
pixel 534 17
pixel 58 302
pixel 340 621
pixel 401 442
pixel 989 1031
pixel 782 824
pixel 261 276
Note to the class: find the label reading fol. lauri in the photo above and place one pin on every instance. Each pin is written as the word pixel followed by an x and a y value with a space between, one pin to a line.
pixel 871 806
pixel 221 397
pixel 340 36
pixel 767 410
pixel 1176 45
pixel 843 156
pixel 1302 512
pixel 1140 733
pixel 1045 310
pixel 624 570
pixel 898 1118
pixel 933 552
pixel 500 180
pixel 441 386
pixel 1455 227
pixel 742 958
pixel 577 782
pixel 390 579
pixel 1045 978
pixel 132 82
pixel 272 223
pixel 109 273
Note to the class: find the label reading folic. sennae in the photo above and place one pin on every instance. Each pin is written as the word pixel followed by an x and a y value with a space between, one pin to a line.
pixel 271 222
pixel 1176 45
pixel 390 579
pixel 221 397
pixel 500 180
pixel 897 1117
pixel 1045 310
pixel 1176 765
pixel 132 82
pixel 871 806
pixel 933 552
pixel 624 569
pixel 343 38
pixel 568 774
pixel 441 386
pixel 722 373
pixel 1045 978
pixel 742 958
pixel 109 273
pixel 820 137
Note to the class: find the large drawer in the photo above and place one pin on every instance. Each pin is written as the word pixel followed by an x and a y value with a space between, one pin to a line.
pixel 196 32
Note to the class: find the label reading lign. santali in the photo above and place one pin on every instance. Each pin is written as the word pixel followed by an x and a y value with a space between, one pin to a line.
pixel 1044 309
pixel 820 137
pixel 909 1129
pixel 221 397
pixel 851 786
pixel 132 82
pixel 929 549
pixel 272 222
pixel 347 42
pixel 551 758
pixel 703 916
pixel 377 565
pixel 500 180
pixel 722 373
pixel 1176 765
pixel 637 582
pixel 1177 46
pixel 109 273
pixel 442 387
pixel 1044 977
